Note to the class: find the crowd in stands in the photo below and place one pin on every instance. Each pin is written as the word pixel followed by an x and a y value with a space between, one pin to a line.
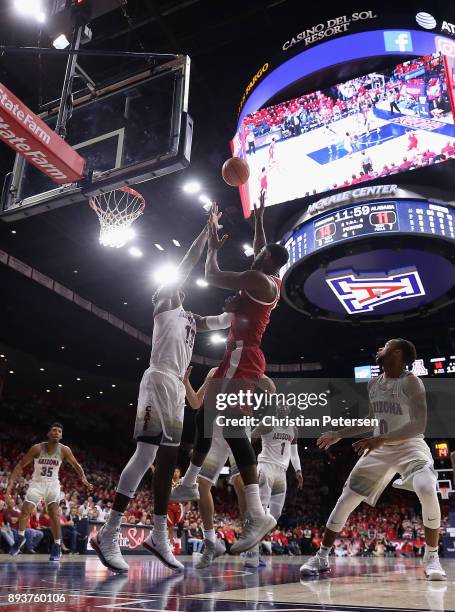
pixel 393 528
pixel 299 115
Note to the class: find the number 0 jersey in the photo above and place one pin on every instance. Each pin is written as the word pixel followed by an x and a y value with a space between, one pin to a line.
pixel 390 404
pixel 276 446
pixel 46 466
pixel 173 340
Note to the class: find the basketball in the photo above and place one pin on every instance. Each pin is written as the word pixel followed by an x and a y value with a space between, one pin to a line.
pixel 235 171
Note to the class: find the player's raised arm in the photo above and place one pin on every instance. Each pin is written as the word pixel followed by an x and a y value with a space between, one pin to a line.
pixel 33 452
pixel 68 455
pixel 252 280
pixel 195 251
pixel 259 234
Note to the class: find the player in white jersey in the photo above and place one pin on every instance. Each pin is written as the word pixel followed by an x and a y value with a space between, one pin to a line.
pixel 279 448
pixel 398 401
pixel 45 485
pixel 160 412
pixel 211 468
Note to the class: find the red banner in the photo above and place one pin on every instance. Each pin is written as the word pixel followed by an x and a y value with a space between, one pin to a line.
pixel 29 136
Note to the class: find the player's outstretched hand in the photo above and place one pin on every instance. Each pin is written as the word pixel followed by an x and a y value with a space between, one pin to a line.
pixel 299 477
pixel 215 216
pixel 365 446
pixel 326 440
pixel 86 483
pixel 259 210
pixel 214 242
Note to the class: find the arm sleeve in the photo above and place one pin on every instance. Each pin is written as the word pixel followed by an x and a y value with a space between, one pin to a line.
pixel 295 459
pixel 221 321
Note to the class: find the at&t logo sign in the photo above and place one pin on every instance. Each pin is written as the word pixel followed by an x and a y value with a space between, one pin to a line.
pixel 425 20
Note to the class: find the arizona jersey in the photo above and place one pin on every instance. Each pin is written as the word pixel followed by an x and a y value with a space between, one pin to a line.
pixel 173 340
pixel 390 404
pixel 46 466
pixel 276 446
pixel 251 318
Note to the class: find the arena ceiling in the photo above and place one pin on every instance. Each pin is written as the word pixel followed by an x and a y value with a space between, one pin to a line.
pixel 227 42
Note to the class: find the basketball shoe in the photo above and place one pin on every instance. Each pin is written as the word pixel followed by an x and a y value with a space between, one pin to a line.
pixel 315 565
pixel 107 547
pixel 162 550
pixel 182 493
pixel 255 529
pixel 212 550
pixel 433 568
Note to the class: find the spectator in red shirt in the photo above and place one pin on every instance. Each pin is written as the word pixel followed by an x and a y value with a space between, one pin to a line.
pixel 412 141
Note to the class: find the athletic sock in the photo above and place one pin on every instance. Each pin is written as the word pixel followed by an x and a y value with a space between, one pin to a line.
pixel 159 526
pixel 58 541
pixel 253 501
pixel 431 550
pixel 114 520
pixel 21 533
pixel 324 551
pixel 191 475
pixel 210 535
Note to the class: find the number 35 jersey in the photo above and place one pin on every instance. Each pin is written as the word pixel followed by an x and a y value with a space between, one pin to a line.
pixel 46 466
pixel 173 341
pixel 276 446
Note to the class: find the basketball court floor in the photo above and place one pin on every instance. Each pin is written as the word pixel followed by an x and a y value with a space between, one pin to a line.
pixel 83 584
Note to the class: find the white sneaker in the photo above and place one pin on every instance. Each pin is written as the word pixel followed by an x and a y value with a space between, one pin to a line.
pixel 162 550
pixel 106 546
pixel 255 529
pixel 433 568
pixel 315 565
pixel 252 557
pixel 210 553
pixel 183 493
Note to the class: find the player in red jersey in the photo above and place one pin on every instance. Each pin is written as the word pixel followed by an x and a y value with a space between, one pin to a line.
pixel 412 141
pixel 242 367
pixel 174 510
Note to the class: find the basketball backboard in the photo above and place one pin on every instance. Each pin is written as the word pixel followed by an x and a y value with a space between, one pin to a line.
pixel 128 131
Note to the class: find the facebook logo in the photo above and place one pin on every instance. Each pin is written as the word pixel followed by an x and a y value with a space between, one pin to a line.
pixel 398 41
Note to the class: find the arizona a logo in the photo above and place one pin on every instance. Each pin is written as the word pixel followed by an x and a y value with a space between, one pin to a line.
pixel 362 293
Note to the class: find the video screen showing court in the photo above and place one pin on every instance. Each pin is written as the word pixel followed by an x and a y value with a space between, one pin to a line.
pixel 376 125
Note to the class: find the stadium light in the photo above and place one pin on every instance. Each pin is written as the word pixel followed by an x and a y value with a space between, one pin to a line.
pixel 159 247
pixel 61 42
pixel 204 199
pixel 135 252
pixel 248 250
pixel 31 8
pixel 192 187
pixel 176 243
pixel 166 274
pixel 217 338
pixel 201 282
pixel 117 237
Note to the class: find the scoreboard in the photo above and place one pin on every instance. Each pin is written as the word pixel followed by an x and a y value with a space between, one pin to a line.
pixel 370 219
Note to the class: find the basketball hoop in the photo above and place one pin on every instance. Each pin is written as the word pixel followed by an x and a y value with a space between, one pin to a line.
pixel 117 210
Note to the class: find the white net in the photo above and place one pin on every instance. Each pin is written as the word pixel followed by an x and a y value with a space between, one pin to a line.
pixel 117 210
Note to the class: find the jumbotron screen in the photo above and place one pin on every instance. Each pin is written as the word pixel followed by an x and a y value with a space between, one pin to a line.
pixel 375 125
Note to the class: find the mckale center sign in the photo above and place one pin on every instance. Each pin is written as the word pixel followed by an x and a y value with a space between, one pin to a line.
pixel 373 192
